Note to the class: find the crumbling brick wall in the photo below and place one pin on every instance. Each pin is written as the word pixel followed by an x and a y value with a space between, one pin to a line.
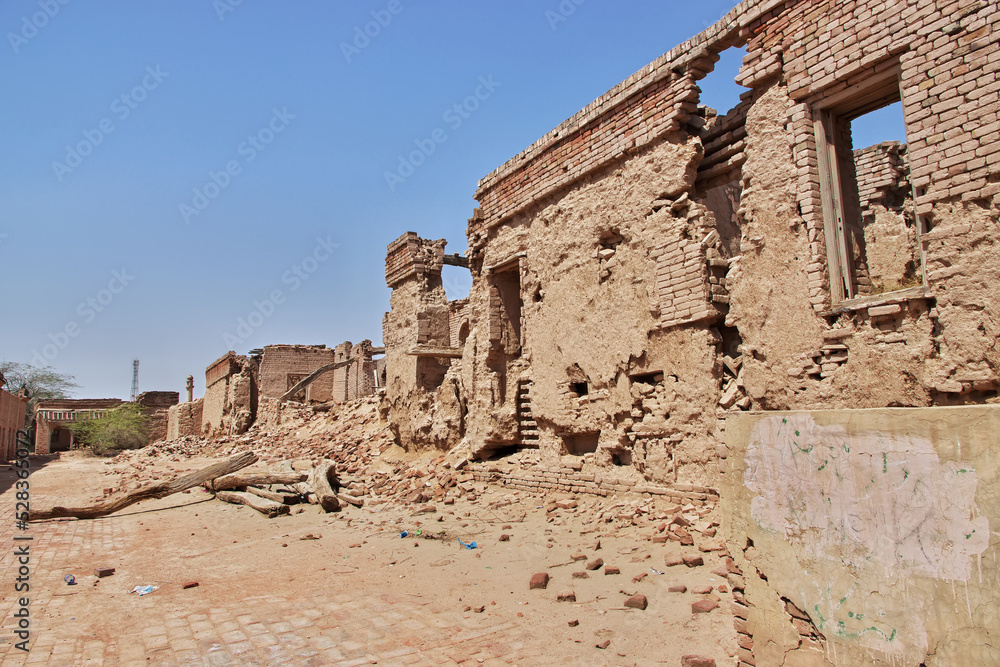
pixel 423 388
pixel 230 402
pixel 184 419
pixel 156 405
pixel 355 375
pixel 282 366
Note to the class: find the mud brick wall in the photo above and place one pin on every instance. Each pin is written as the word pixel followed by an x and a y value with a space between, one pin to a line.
pixel 950 72
pixel 422 414
pixel 230 402
pixel 357 377
pixel 881 171
pixel 12 415
pixel 184 419
pixel 156 405
pixel 280 361
pixel 409 256
pixel 458 316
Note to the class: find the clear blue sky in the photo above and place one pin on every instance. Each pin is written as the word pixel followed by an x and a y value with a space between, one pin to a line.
pixel 165 166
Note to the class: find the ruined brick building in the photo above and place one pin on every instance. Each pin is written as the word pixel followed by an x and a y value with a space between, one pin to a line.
pixel 54 418
pixel 236 385
pixel 650 269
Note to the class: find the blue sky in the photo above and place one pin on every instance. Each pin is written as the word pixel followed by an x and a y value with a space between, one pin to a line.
pixel 169 169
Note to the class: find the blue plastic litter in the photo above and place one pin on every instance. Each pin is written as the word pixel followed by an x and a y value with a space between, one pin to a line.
pixel 144 590
pixel 70 579
pixel 470 545
pixel 404 533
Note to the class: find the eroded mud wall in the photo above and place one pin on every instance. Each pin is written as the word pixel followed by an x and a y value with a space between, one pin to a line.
pixel 423 387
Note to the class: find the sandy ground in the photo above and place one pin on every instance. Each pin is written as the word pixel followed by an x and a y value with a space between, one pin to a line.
pixel 235 553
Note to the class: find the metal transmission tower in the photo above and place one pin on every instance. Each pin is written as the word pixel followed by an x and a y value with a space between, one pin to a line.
pixel 135 379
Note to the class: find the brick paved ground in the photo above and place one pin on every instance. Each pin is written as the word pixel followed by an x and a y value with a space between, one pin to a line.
pixel 358 595
pixel 321 629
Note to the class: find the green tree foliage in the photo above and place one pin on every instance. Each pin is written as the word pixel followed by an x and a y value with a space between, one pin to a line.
pixel 124 427
pixel 42 383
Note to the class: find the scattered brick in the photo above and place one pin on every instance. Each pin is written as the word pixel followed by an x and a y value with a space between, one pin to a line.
pixel 637 601
pixel 703 606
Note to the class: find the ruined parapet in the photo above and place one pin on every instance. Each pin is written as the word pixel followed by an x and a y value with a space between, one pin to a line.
pixel 184 419
pixel 230 402
pixel 424 406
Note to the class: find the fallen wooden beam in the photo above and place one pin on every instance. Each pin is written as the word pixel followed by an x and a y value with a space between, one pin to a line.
pixel 155 490
pixel 322 479
pixel 283 498
pixel 262 505
pixel 264 478
pixel 307 380
pixel 351 500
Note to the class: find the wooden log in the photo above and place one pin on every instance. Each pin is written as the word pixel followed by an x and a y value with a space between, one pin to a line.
pixel 351 500
pixel 254 478
pixel 283 498
pixel 322 479
pixel 262 505
pixel 305 490
pixel 154 490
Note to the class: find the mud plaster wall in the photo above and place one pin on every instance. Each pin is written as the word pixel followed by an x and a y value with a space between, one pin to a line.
pixel 585 319
pixel 875 525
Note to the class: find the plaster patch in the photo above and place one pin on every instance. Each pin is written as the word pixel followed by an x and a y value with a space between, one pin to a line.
pixel 865 499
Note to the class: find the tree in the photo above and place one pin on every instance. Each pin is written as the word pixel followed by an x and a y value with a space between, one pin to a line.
pixel 41 383
pixel 123 427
